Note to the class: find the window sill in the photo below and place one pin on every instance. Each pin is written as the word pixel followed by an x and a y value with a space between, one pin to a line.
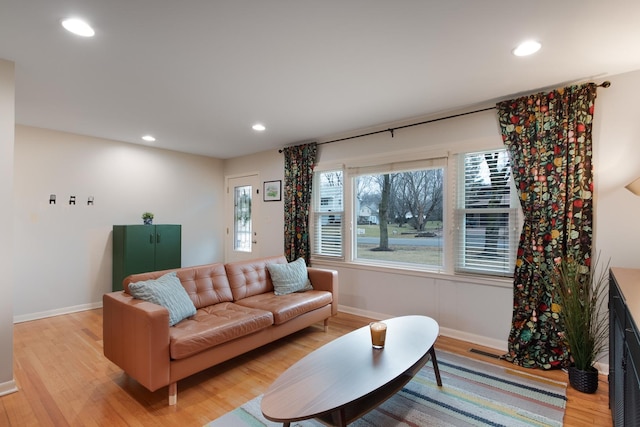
pixel 501 282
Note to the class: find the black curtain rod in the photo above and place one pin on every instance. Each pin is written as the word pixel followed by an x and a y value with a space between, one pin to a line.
pixel 392 130
pixel 604 84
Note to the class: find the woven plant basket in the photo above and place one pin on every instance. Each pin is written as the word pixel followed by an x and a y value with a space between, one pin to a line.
pixel 584 381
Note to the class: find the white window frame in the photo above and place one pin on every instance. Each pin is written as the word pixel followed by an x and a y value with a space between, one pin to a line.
pixel 501 266
pixel 326 216
pixel 400 165
pixel 453 176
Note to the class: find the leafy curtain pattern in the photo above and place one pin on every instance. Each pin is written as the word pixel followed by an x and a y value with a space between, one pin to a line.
pixel 298 178
pixel 548 137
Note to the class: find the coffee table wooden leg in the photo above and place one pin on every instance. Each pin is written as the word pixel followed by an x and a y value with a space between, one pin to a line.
pixel 436 370
pixel 287 424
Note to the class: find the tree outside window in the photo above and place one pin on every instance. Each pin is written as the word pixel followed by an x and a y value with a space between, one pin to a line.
pixel 399 217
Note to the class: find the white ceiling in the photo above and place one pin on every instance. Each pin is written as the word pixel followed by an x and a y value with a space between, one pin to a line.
pixel 198 74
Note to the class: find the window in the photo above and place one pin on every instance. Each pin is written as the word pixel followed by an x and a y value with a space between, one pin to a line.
pixel 488 214
pixel 398 210
pixel 242 218
pixel 328 213
pixel 409 215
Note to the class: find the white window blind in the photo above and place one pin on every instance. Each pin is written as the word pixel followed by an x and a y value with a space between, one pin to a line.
pixel 328 214
pixel 487 214
pixel 404 166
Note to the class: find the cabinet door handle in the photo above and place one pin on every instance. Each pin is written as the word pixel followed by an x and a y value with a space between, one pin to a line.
pixel 158 238
pixel 151 239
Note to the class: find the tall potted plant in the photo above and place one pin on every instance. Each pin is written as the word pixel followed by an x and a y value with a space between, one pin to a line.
pixel 581 294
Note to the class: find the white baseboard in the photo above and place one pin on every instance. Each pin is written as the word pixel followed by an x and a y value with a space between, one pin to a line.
pixel 56 312
pixel 493 343
pixel 447 332
pixel 499 345
pixel 363 313
pixel 8 387
pixel 603 368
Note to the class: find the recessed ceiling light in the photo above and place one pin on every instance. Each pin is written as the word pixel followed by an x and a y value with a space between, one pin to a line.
pixel 527 48
pixel 259 127
pixel 78 27
pixel 148 138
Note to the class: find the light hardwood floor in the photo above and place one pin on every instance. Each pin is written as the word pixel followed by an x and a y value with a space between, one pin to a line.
pixel 64 379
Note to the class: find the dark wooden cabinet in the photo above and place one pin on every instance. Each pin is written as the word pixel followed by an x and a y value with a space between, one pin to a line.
pixel 143 248
pixel 624 346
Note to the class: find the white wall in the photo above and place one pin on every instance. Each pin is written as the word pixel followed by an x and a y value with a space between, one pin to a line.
pixel 482 309
pixel 474 309
pixel 617 163
pixel 63 252
pixel 7 119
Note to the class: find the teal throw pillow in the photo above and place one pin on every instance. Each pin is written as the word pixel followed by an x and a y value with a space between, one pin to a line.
pixel 168 292
pixel 289 278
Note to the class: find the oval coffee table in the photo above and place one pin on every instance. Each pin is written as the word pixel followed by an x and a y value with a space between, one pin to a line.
pixel 346 378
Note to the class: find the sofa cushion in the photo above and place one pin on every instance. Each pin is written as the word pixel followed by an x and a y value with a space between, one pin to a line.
pixel 205 284
pixel 248 278
pixel 287 307
pixel 168 292
pixel 215 325
pixel 289 278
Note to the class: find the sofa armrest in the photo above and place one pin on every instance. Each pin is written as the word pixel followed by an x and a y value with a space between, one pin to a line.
pixel 136 338
pixel 325 280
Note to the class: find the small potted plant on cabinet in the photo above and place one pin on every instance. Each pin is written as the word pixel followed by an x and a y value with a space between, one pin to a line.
pixel 147 218
pixel 583 312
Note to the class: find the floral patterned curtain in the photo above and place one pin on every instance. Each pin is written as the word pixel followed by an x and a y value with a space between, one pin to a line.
pixel 298 177
pixel 548 137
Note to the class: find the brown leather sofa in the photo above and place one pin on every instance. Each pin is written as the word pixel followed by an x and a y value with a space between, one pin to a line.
pixel 237 311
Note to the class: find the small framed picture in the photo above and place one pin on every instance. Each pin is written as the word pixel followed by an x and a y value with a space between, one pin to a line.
pixel 272 191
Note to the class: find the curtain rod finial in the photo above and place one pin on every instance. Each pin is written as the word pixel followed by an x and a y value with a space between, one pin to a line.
pixel 605 84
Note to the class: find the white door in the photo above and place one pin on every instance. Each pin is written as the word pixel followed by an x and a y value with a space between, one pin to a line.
pixel 243 203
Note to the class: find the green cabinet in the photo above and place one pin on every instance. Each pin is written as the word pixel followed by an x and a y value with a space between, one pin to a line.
pixel 143 248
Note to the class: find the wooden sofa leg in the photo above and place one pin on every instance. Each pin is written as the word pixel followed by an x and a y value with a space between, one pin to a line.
pixel 173 394
pixel 326 325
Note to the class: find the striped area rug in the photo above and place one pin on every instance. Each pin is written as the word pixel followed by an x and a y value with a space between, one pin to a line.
pixel 474 393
